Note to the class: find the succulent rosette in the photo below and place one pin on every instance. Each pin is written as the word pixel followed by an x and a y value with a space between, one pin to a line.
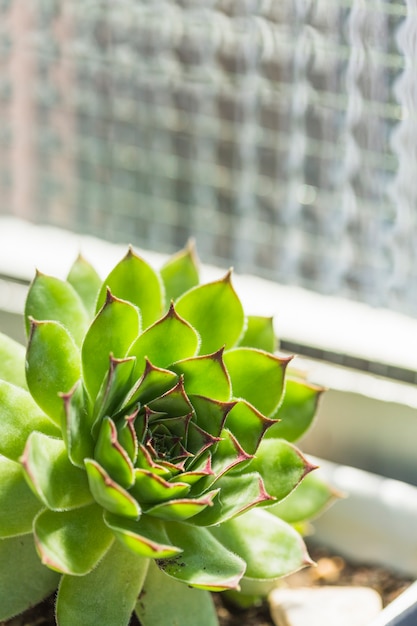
pixel 146 448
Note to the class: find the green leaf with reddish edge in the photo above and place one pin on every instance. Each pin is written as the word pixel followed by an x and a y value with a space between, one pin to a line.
pixel 259 333
pixel 211 414
pixel 52 366
pixel 257 377
pixel 270 549
pixel 180 272
pixel 112 332
pixel 198 440
pixel 24 581
pixel 12 361
pixel 76 425
pixel 205 376
pixel 297 410
pixel 311 497
pixel 18 504
pixel 204 562
pixel 237 494
pixel 144 461
pixel 52 477
pixel 281 465
pixel 152 489
pixel 127 436
pixel 248 425
pixel 168 340
pixel 19 415
pixel 182 604
pixel 200 470
pixel 181 509
pixel 133 279
pixel 216 313
pixel 146 537
pixel 175 401
pixel 112 456
pixel 86 282
pixel 108 493
pixel 72 542
pixel 106 596
pixel 52 299
pixel 154 382
pixel 228 455
pixel 114 389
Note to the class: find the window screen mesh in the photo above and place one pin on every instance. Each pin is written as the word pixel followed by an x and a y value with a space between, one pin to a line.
pixel 281 134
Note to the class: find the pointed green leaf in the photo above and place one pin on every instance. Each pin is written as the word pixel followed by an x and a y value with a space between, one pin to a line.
pixel 211 414
pixel 247 424
pixel 181 603
pixel 108 493
pixel 76 425
pixel 18 504
pixel 12 361
pixel 52 366
pixel 50 298
pixel 146 537
pixel 154 382
pixel 174 402
pixel 227 456
pixel 180 273
pixel 205 376
pixel 86 282
pixel 216 313
pixel 297 410
pixel 24 581
pixel 106 596
pixel 204 562
pixel 114 389
pixel 112 332
pixel 111 456
pixel 19 415
pixel 52 477
pixel 170 339
pixel 259 333
pixel 152 489
pixel 182 509
pixel 134 280
pixel 257 377
pixel 72 542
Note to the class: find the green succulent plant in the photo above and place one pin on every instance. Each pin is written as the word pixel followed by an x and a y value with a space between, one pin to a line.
pixel 146 454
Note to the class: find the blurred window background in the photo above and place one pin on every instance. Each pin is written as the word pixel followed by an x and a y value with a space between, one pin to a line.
pixel 280 134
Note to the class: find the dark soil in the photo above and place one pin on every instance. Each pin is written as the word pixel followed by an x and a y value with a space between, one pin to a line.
pixel 330 570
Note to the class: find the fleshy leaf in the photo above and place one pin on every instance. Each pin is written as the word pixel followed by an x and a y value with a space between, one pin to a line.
pixel 50 298
pixel 18 504
pixel 52 477
pixel 180 273
pixel 111 456
pixel 52 366
pixel 259 333
pixel 170 339
pixel 19 415
pixel 72 542
pixel 211 414
pixel 86 282
pixel 205 376
pixel 181 605
pixel 108 493
pixel 247 424
pixel 24 581
pixel 182 509
pixel 152 489
pixel 133 279
pixel 12 361
pixel 113 391
pixel 227 456
pixel 215 311
pixel 112 332
pixel 257 377
pixel 154 382
pixel 105 596
pixel 204 562
pixel 76 425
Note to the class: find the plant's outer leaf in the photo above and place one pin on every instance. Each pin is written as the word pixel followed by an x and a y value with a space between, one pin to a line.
pixel 216 313
pixel 113 391
pixel 52 477
pixel 134 280
pixel 24 581
pixel 108 493
pixel 281 465
pixel 146 537
pixel 72 542
pixel 271 550
pixel 182 605
pixel 152 489
pixel 311 497
pixel 52 366
pixel 76 426
pixel 180 273
pixel 205 376
pixel 50 298
pixel 112 457
pixel 154 382
pixel 181 509
pixel 296 411
pixel 248 425
pixel 168 340
pixel 19 415
pixel 18 504
pixel 257 377
pixel 204 562
pixel 106 596
pixel 12 361
pixel 112 332
pixel 259 333
pixel 86 282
